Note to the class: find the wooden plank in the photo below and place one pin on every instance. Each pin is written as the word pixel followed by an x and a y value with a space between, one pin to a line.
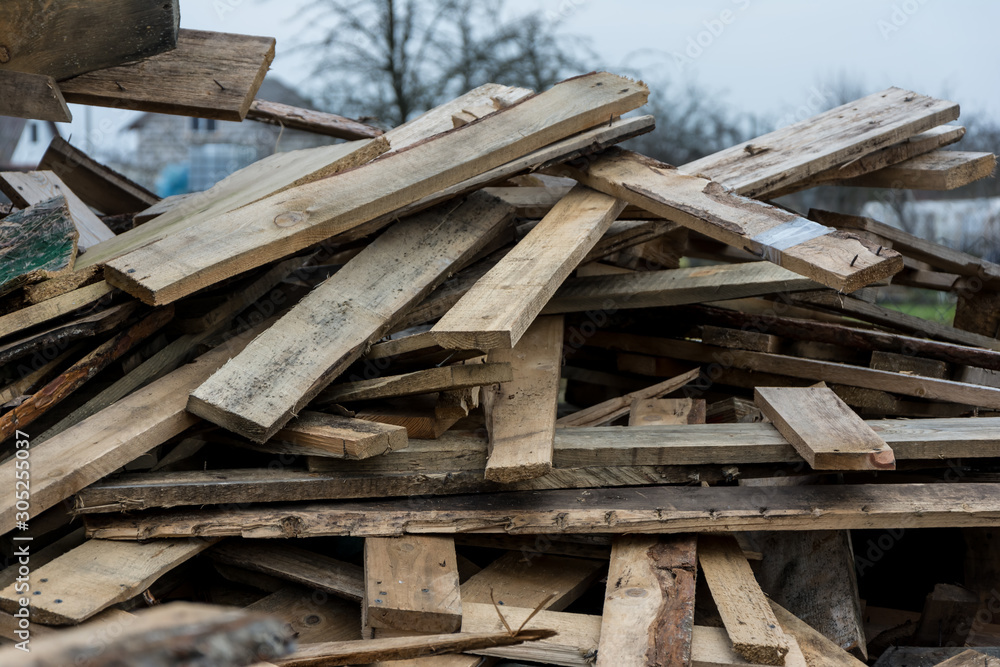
pixel 521 413
pixel 749 621
pixel 649 605
pixel 662 509
pixel 35 187
pixel 839 260
pixel 901 363
pixel 656 411
pixel 443 378
pixel 53 287
pixel 417 414
pixel 322 434
pixel 608 411
pixel 759 167
pixel 25 95
pixel 96 575
pixel 501 306
pixel 937 170
pixel 209 75
pixel 977 312
pixel 809 369
pixel 27 381
pixel 311 616
pixel 315 211
pixel 308 568
pixel 96 184
pixel 823 430
pixel 711 648
pixel 45 39
pixel 817 649
pixel 330 328
pixel 945 617
pixel 308 120
pixel 970 658
pixel 740 339
pixel 53 308
pixel 62 335
pixel 36 243
pixel 575 643
pixel 411 583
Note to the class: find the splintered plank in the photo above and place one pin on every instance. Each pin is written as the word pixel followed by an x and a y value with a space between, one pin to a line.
pixel 442 378
pixel 836 259
pixel 259 391
pixel 96 575
pixel 37 96
pixel 53 308
pixel 521 413
pixel 501 306
pixel 307 120
pixel 96 184
pixel 293 564
pixel 45 38
pixel 649 604
pixel 209 75
pixel 411 583
pixel 35 187
pixel 36 243
pixel 276 226
pixel 322 434
pixel 613 408
pixel 823 429
pixel 937 170
pixel 759 167
pixel 745 611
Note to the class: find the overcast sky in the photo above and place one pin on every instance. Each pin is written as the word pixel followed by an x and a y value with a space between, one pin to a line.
pixel 763 56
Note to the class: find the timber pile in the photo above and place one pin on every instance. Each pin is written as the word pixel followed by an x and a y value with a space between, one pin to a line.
pixel 489 385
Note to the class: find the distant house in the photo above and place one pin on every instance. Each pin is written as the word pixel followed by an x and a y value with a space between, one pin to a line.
pixel 178 154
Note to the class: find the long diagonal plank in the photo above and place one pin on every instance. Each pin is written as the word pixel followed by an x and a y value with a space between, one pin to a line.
pixel 836 259
pixel 279 373
pixel 937 170
pixel 277 226
pixel 501 306
pixel 52 308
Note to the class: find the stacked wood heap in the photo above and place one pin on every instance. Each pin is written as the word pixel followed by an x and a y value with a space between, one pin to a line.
pixel 487 388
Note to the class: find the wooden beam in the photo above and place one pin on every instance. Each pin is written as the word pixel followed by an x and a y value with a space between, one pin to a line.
pixel 823 430
pixel 277 226
pixel 36 243
pixel 307 120
pixel 96 575
pixel 937 170
pixel 330 328
pixel 608 411
pixel 411 583
pixel 322 434
pixel 24 95
pixel 842 261
pixel 34 187
pixel 761 166
pixel 442 378
pixel 209 75
pixel 53 308
pixel 46 39
pixel 521 413
pixel 649 605
pixel 528 275
pixel 749 621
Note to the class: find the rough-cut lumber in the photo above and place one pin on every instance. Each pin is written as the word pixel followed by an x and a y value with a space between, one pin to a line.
pixel 53 287
pixel 521 413
pixel 100 444
pixel 37 96
pixel 53 308
pixel 97 185
pixel 937 170
pixel 42 38
pixel 649 604
pixel 809 369
pixel 277 226
pixel 836 259
pixel 443 378
pixel 945 617
pixel 658 411
pixel 317 122
pixel 759 167
pixel 970 658
pixel 311 617
pixel 574 645
pixel 79 373
pixel 280 372
pixel 823 430
pixel 322 434
pixel 36 243
pixel 411 583
pixel 748 618
pixel 62 335
pixel 501 306
pixel 901 363
pixel 297 565
pixel 740 339
pixel 817 649
pixel 29 379
pixel 96 575
pixel 608 411
pixel 34 187
pixel 209 75
pixel 673 287
pixel 164 636
pixel 419 415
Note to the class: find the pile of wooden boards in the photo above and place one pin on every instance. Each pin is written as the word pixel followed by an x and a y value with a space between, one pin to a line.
pixel 489 385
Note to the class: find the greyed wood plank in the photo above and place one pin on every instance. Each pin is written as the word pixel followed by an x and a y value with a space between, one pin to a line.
pixel 37 96
pixel 609 410
pixel 322 434
pixel 308 120
pixel 53 308
pixel 937 170
pixel 442 378
pixel 293 564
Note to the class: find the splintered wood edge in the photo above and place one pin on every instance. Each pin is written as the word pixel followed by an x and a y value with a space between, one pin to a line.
pixel 234 422
pixel 519 473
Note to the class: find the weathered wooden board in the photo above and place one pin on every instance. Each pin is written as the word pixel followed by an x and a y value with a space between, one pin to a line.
pixel 37 96
pixel 53 308
pixel 291 563
pixel 322 434
pixel 35 187
pixel 937 170
pixel 317 122
pixel 36 243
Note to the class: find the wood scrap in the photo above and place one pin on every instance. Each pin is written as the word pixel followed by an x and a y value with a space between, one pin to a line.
pixel 35 187
pixel 27 95
pixel 36 243
pixel 318 122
